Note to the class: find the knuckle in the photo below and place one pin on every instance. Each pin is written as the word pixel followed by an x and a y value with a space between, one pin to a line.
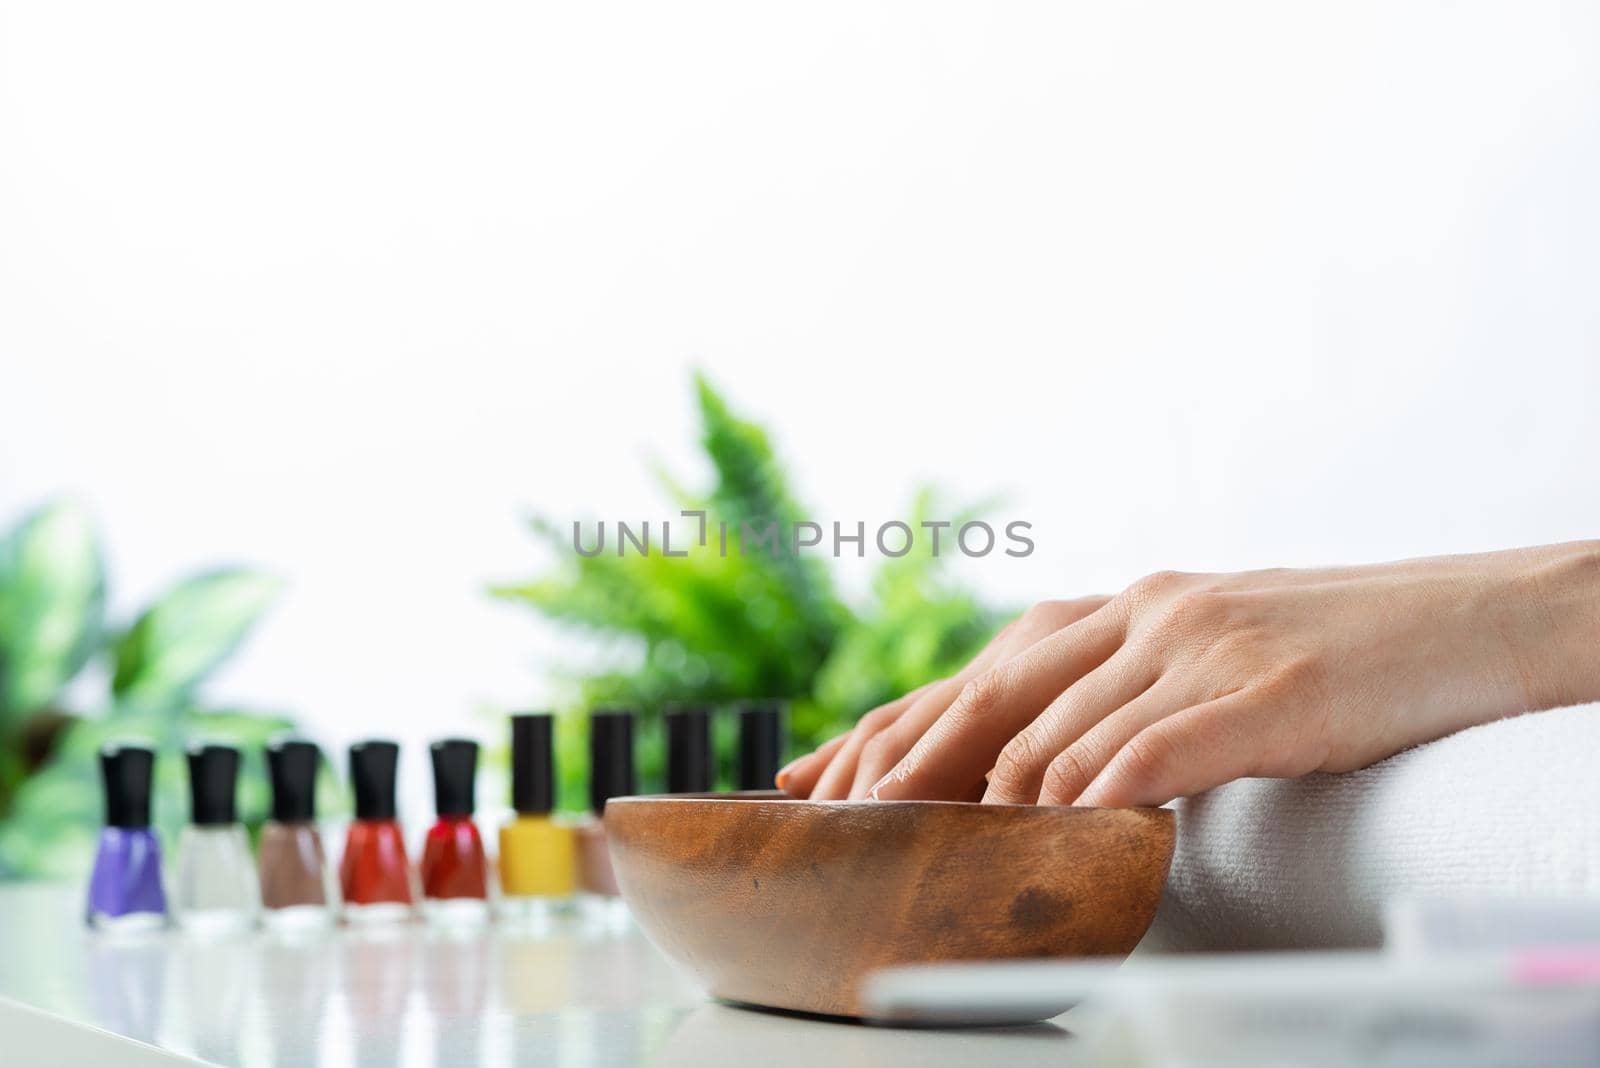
pixel 1014 767
pixel 1084 607
pixel 1294 679
pixel 1148 756
pixel 981 695
pixel 1191 611
pixel 1044 611
pixel 1068 775
pixel 875 721
pixel 1156 585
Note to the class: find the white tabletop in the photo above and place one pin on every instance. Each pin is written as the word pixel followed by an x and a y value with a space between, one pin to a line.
pixel 421 997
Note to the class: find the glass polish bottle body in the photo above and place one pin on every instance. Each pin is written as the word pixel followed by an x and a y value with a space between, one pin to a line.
pixel 215 890
pixel 125 891
pixel 538 869
pixel 595 874
pixel 296 887
pixel 375 874
pixel 455 872
pixel 125 888
pixel 454 869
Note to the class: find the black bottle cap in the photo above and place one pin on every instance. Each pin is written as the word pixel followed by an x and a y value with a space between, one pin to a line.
pixel 127 770
pixel 372 773
pixel 533 764
pixel 610 756
pixel 761 744
pixel 213 778
pixel 292 767
pixel 455 765
pixel 689 761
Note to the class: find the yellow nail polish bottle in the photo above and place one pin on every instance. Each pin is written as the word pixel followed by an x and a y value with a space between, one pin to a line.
pixel 538 854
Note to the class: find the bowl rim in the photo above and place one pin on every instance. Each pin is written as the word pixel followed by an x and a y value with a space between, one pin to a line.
pixel 757 796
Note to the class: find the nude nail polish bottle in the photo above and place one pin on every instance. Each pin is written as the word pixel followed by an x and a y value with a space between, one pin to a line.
pixel 296 887
pixel 761 745
pixel 216 890
pixel 455 872
pixel 375 877
pixel 691 768
pixel 611 774
pixel 125 891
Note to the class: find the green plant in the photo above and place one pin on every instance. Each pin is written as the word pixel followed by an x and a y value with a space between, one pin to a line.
pixel 717 628
pixel 54 635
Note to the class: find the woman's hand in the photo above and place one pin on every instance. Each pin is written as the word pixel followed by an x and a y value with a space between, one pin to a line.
pixel 1183 682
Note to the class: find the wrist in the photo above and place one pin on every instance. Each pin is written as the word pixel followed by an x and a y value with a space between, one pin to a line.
pixel 1556 644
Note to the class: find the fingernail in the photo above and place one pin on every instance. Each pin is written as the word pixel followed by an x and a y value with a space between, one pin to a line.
pixel 781 779
pixel 880 784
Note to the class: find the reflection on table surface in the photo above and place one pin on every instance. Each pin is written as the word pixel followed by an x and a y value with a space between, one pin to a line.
pixel 415 996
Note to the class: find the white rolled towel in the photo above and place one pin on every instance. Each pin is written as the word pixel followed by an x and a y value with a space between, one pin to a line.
pixel 1508 808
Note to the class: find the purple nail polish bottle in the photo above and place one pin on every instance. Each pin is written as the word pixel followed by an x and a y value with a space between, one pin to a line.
pixel 125 890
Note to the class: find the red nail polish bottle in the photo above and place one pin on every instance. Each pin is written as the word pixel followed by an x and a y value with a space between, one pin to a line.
pixel 375 874
pixel 455 875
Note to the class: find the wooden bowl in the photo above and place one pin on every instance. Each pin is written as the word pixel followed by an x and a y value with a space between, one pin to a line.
pixel 790 904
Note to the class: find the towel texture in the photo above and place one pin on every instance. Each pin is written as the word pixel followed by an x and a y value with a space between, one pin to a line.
pixel 1511 807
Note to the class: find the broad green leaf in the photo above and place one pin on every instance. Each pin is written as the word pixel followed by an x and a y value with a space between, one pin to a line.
pixel 52 596
pixel 51 828
pixel 181 638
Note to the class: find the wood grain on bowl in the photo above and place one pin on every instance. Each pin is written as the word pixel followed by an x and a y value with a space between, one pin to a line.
pixel 789 904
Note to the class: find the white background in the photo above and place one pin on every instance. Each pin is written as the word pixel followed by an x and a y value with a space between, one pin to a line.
pixel 344 291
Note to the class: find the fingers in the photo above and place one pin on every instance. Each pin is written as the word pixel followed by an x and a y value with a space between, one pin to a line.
pixel 852 764
pixel 826 770
pixel 797 777
pixel 889 746
pixel 1020 768
pixel 1074 766
pixel 964 743
pixel 1183 754
pixel 840 773
pixel 885 748
pixel 842 778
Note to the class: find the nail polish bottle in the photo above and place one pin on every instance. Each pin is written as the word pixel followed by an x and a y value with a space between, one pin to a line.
pixel 538 856
pixel 611 774
pixel 690 765
pixel 761 744
pixel 375 873
pixel 125 892
pixel 455 873
pixel 216 889
pixel 295 890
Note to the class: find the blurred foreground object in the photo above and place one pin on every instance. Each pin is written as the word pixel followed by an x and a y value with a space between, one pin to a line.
pixel 1311 1010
